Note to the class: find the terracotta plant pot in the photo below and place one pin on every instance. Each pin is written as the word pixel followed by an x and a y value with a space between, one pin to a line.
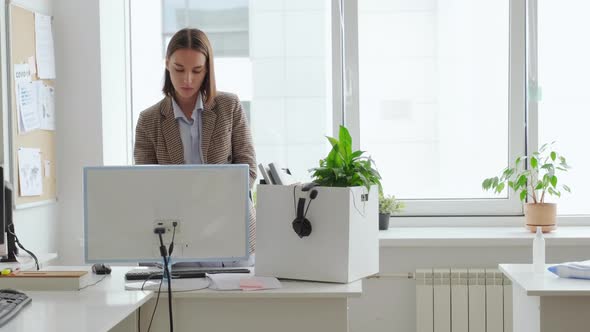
pixel 540 215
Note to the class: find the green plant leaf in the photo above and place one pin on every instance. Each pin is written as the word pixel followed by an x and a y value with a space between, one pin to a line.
pixel 534 162
pixel 344 168
pixel 539 186
pixel 523 195
pixel 357 154
pixel 553 155
pixel 500 188
pixel 554 181
pixel 521 180
pixel 566 188
pixel 345 144
pixel 543 147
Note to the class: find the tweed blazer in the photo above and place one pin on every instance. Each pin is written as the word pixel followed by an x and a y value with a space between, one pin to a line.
pixel 225 138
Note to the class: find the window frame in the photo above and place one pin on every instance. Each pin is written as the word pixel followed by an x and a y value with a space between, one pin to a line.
pixel 349 101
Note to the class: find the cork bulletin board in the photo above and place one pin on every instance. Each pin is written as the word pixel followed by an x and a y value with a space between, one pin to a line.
pixel 21 35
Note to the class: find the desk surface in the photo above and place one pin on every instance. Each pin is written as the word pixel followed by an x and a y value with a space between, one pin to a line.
pixel 97 308
pixel 102 306
pixel 546 284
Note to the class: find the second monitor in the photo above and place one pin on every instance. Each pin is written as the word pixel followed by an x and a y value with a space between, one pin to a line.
pixel 208 203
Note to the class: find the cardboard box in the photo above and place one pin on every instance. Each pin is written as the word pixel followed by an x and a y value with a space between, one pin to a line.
pixel 342 247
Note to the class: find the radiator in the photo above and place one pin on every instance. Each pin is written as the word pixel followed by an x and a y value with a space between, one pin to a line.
pixel 463 300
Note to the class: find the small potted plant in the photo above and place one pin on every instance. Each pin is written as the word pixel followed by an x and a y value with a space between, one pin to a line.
pixel 532 178
pixel 388 205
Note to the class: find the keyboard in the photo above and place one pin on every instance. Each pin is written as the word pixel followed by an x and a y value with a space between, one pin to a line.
pixel 151 274
pixel 11 302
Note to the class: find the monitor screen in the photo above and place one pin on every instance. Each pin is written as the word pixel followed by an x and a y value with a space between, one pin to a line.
pixel 124 204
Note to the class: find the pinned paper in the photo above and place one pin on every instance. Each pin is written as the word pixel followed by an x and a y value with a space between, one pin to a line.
pixel 46 107
pixel 22 73
pixel 29 172
pixel 44 47
pixel 27 106
pixel 47 167
pixel 32 65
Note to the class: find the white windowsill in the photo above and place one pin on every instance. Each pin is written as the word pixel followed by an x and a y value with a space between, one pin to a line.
pixel 479 236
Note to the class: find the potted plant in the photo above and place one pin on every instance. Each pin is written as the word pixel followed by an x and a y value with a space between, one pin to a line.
pixel 341 223
pixel 532 178
pixel 345 168
pixel 388 205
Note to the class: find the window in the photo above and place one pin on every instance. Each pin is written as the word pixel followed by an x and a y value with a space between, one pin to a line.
pixel 434 90
pixel 563 104
pixel 436 100
pixel 279 67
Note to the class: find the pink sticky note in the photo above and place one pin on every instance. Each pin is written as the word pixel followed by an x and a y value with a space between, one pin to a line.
pixel 250 284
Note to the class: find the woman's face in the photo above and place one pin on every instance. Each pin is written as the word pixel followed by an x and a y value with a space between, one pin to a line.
pixel 187 69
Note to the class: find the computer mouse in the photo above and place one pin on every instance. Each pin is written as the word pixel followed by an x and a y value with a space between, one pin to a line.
pixel 101 269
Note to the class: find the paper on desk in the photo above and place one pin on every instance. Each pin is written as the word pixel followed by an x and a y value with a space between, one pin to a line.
pixel 241 281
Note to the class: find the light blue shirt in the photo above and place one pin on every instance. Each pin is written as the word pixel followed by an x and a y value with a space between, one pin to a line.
pixel 190 131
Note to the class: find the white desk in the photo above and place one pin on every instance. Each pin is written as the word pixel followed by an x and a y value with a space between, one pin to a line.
pixel 298 306
pixel 98 308
pixel 547 303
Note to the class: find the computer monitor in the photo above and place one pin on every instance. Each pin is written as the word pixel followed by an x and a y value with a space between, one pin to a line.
pixel 8 249
pixel 3 238
pixel 124 204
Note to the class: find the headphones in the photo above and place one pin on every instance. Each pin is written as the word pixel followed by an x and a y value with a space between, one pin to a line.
pixel 301 225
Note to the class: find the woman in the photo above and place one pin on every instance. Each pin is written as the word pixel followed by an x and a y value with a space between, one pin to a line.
pixel 194 123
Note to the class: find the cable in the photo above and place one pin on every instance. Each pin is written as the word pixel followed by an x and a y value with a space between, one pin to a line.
pixel 164 254
pixel 171 247
pixel 11 231
pixel 156 305
pixel 308 204
pixel 90 285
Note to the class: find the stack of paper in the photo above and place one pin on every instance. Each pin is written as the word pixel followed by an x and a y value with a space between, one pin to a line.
pixel 237 281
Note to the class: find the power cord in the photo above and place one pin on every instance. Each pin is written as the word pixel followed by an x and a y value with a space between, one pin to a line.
pixel 11 232
pixel 164 254
pixel 90 285
pixel 157 298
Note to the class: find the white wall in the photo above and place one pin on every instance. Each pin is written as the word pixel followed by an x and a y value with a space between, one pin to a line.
pixel 79 117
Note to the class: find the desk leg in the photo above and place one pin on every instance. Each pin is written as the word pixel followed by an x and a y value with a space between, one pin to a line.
pixel 251 314
pixel 526 311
